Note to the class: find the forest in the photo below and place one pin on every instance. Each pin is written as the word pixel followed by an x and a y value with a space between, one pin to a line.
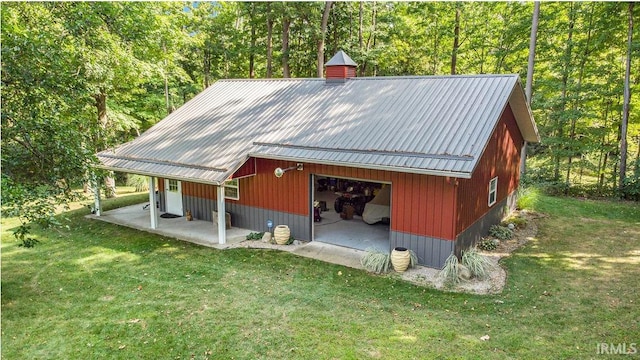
pixel 79 77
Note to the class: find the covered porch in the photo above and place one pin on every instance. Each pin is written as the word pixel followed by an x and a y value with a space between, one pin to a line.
pixel 196 231
pixel 205 233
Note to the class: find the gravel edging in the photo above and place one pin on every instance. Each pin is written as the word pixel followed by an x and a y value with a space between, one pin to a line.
pixel 497 279
pixel 428 277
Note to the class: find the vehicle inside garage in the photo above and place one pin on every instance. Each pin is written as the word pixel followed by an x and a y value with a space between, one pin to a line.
pixel 352 213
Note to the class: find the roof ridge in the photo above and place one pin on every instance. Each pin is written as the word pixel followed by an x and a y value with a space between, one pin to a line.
pixel 394 77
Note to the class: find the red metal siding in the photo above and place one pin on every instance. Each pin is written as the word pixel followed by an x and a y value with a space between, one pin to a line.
pixel 420 204
pixel 203 191
pixel 247 169
pixel 340 72
pixel 501 158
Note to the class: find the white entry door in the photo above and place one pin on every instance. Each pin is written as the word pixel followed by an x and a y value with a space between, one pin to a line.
pixel 173 189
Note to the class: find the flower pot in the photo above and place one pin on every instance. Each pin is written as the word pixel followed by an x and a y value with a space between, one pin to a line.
pixel 281 234
pixel 400 259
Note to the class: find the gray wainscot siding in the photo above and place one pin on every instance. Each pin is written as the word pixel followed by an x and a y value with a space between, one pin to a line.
pixel 432 252
pixel 160 198
pixel 480 228
pixel 249 217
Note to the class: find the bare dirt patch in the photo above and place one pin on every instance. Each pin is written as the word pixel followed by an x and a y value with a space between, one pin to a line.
pixel 497 278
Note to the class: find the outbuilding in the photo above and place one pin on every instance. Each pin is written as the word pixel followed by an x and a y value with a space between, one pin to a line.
pixel 444 149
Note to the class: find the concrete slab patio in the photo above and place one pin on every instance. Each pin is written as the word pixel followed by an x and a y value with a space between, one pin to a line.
pixel 205 233
pixel 197 231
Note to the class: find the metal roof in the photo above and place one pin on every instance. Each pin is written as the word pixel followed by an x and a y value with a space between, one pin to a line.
pixel 436 125
pixel 341 58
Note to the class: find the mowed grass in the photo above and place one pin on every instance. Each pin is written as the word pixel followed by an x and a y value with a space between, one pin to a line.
pixel 103 291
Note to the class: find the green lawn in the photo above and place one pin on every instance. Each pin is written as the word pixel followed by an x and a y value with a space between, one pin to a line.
pixel 103 291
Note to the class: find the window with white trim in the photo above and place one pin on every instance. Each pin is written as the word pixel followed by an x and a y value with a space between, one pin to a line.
pixel 173 185
pixel 232 189
pixel 493 191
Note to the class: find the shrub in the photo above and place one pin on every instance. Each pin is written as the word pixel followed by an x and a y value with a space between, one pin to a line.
pixel 255 236
pixel 478 264
pixel 517 221
pixel 527 198
pixel 500 232
pixel 291 240
pixel 487 244
pixel 376 261
pixel 631 188
pixel 139 182
pixel 450 271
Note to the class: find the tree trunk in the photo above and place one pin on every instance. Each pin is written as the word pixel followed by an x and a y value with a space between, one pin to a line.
pixel 374 16
pixel 602 165
pixel 574 119
pixel 533 39
pixel 252 49
pixel 436 46
pixel 286 23
pixel 350 24
pixel 207 67
pixel 323 31
pixel 360 37
pixel 110 186
pixel 565 80
pixel 103 123
pixel 625 105
pixel 166 81
pixel 456 40
pixel 369 38
pixel 269 41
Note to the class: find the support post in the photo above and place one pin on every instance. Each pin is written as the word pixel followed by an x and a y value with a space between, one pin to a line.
pixel 222 221
pixel 153 211
pixel 97 207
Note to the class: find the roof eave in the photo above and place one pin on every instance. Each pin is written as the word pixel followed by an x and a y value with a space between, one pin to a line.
pixel 454 174
pixel 165 176
pixel 523 114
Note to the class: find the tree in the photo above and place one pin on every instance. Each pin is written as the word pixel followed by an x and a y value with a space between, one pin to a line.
pixel 323 32
pixel 625 106
pixel 456 39
pixel 70 74
pixel 530 65
pixel 286 24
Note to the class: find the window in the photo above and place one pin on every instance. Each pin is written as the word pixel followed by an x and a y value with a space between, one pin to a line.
pixel 493 190
pixel 173 185
pixel 232 189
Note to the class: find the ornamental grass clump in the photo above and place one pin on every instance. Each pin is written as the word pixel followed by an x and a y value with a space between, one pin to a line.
pixel 139 182
pixel 413 259
pixel 450 271
pixel 376 261
pixel 478 264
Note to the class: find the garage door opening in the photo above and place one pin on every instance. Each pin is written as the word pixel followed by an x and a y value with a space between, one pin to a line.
pixel 351 213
